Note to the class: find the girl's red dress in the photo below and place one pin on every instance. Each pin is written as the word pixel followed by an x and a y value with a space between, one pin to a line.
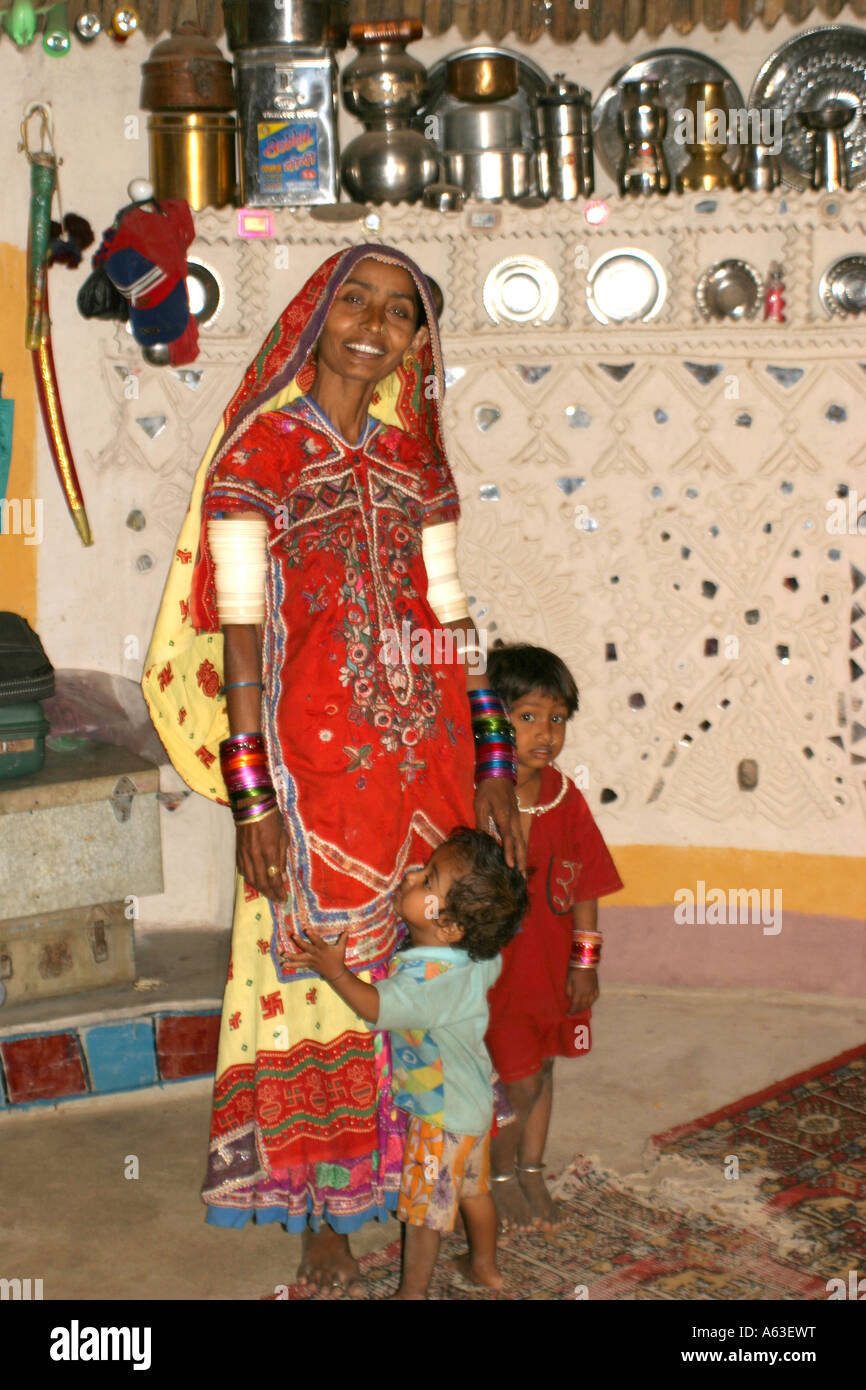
pixel 567 862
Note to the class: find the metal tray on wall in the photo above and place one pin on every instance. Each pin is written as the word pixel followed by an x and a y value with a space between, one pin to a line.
pixel 818 66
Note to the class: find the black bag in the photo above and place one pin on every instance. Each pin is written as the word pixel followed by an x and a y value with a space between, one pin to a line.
pixel 99 298
pixel 25 671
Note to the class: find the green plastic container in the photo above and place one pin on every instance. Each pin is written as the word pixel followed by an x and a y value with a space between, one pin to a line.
pixel 22 739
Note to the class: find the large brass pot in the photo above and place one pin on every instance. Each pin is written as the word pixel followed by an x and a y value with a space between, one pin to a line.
pixel 192 156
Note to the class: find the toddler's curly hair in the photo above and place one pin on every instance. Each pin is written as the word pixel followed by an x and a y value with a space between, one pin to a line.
pixel 489 900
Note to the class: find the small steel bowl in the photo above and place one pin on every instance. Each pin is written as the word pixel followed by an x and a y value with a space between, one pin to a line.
pixel 482 79
pixel 730 289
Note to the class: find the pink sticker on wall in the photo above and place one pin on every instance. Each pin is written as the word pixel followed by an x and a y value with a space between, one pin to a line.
pixel 253 222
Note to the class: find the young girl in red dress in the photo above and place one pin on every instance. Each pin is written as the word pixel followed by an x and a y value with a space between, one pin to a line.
pixel 540 1005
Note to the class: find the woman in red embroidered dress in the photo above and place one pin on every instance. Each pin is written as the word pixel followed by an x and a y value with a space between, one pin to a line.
pixel 370 752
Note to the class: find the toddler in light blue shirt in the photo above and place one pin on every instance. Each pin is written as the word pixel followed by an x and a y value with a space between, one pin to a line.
pixel 460 909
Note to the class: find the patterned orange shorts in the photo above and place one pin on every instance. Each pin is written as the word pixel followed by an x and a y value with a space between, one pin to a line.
pixel 440 1170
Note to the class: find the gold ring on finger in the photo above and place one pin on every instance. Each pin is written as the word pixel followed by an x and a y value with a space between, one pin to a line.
pixel 272 871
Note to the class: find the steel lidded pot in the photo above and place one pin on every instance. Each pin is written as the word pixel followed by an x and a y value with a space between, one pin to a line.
pixel 563 123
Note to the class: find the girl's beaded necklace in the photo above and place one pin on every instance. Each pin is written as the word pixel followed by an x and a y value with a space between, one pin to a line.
pixel 540 810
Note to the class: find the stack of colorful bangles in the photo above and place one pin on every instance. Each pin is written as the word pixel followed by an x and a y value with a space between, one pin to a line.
pixel 245 772
pixel 493 731
pixel 585 950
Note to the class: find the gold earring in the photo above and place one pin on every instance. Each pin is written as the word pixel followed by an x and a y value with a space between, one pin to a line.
pixel 410 361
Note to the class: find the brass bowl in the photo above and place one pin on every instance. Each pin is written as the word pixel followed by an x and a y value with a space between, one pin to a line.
pixel 482 79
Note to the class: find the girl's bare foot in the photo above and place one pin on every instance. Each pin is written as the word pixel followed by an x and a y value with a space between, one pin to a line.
pixel 512 1208
pixel 543 1210
pixel 328 1263
pixel 488 1276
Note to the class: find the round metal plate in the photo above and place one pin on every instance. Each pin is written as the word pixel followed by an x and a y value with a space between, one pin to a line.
pixel 520 289
pixel 730 289
pixel 673 69
pixel 842 288
pixel 626 285
pixel 810 70
pixel 205 291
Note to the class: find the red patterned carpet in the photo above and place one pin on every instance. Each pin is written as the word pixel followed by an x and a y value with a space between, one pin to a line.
pixel 793 1218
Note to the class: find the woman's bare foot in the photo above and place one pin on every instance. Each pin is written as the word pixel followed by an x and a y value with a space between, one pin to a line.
pixel 328 1263
pixel 488 1276
pixel 512 1208
pixel 543 1210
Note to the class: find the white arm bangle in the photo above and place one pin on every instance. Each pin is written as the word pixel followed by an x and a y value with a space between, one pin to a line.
pixel 238 546
pixel 444 592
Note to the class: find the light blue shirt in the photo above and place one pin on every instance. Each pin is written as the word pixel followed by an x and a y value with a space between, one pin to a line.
pixel 434 1005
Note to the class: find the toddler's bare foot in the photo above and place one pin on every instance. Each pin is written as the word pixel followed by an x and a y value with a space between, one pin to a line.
pixel 543 1210
pixel 512 1207
pixel 487 1275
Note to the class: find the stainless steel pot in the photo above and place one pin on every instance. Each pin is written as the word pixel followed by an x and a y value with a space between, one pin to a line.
pixel 316 23
pixel 490 175
pixel 482 128
pixel 389 166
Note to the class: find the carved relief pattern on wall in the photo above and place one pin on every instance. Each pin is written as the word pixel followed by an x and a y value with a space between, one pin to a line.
pixel 650 500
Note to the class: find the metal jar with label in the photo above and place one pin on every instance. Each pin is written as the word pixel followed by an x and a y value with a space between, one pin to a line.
pixel 287 105
pixel 563 123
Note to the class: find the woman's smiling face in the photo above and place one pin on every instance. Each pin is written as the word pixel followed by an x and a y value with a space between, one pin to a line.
pixel 371 325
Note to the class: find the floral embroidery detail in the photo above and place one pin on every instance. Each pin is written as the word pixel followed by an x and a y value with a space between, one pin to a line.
pixel 205 756
pixel 263 946
pixel 235 1019
pixel 184 610
pixel 310 995
pixel 325 735
pixel 249 892
pixel 181 715
pixel 165 677
pixel 185 556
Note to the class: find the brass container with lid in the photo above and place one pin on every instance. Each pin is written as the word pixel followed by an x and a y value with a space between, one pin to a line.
pixel 192 136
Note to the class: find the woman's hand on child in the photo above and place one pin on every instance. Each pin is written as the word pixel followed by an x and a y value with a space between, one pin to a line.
pixel 313 953
pixel 582 990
